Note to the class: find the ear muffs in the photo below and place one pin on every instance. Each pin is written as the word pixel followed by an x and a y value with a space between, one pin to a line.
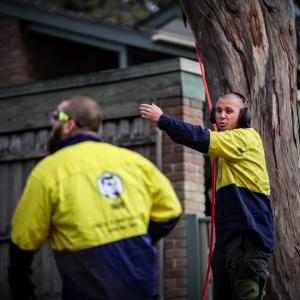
pixel 244 117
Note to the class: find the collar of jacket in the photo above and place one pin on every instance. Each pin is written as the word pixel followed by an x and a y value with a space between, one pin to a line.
pixel 78 138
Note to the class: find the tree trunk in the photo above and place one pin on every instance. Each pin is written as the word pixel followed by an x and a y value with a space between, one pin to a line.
pixel 250 47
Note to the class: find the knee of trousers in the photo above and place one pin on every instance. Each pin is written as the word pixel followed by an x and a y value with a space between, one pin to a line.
pixel 246 282
pixel 249 289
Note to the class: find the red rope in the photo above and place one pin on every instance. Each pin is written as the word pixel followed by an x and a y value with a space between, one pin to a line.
pixel 214 169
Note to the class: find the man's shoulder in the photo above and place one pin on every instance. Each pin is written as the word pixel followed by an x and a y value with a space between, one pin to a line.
pixel 44 166
pixel 86 151
pixel 244 133
pixel 237 132
pixel 246 137
pixel 125 154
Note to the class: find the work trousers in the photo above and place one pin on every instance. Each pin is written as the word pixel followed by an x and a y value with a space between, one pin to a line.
pixel 240 268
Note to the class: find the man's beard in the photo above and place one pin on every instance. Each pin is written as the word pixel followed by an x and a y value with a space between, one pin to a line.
pixel 55 139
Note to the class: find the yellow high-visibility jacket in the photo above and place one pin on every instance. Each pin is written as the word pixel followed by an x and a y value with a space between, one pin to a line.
pixel 243 189
pixel 96 200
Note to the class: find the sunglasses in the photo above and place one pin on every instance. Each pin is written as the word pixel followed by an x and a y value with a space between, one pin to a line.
pixel 60 116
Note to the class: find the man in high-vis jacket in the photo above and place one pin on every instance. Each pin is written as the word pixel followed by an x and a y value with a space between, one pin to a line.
pixel 244 218
pixel 103 208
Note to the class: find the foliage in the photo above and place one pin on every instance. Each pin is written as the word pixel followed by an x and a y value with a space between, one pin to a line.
pixel 117 11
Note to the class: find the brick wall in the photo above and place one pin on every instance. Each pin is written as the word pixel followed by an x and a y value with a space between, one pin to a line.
pixel 185 168
pixel 13 54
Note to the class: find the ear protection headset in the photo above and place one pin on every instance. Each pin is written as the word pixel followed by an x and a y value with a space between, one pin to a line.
pixel 245 112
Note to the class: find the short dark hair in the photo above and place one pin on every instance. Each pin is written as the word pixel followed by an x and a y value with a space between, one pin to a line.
pixel 241 96
pixel 84 111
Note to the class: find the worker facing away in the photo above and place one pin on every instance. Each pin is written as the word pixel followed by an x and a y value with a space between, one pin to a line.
pixel 103 208
pixel 244 219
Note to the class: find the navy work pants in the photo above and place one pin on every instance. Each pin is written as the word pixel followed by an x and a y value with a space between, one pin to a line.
pixel 240 268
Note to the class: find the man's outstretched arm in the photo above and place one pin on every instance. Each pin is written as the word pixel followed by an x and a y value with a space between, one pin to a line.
pixel 192 136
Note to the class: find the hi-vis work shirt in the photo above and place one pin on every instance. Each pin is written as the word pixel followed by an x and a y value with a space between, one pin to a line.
pixel 100 205
pixel 243 191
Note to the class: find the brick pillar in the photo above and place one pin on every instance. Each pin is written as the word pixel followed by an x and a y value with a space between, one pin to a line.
pixel 185 168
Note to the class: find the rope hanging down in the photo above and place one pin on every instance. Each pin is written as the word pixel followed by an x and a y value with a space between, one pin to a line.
pixel 214 170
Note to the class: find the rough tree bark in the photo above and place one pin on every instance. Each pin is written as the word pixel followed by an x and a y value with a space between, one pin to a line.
pixel 250 47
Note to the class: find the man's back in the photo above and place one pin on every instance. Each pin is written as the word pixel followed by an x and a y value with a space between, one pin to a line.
pixel 97 201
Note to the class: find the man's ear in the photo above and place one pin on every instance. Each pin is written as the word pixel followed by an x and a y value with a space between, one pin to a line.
pixel 69 127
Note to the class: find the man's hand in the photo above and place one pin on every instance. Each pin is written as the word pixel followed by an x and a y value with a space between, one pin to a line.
pixel 150 112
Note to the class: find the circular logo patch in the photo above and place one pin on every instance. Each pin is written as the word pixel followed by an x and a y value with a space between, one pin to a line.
pixel 110 185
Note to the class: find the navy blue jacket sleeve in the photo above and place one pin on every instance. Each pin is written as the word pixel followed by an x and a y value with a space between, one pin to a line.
pixel 192 136
pixel 19 272
pixel 158 230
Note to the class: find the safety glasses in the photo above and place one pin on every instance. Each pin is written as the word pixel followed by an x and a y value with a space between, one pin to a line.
pixel 60 116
